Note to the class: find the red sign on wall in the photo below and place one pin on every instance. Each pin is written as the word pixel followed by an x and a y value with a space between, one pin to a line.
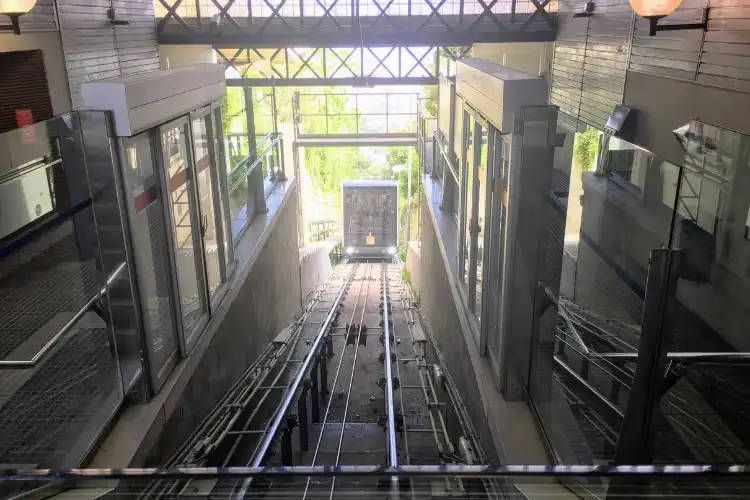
pixel 24 117
pixel 25 121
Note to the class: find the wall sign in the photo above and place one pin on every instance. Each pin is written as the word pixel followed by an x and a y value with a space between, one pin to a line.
pixel 25 121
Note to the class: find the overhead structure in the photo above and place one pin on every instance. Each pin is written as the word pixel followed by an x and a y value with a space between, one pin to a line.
pixel 337 23
pixel 349 66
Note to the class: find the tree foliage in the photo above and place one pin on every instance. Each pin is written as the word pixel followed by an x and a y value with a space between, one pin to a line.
pixel 585 149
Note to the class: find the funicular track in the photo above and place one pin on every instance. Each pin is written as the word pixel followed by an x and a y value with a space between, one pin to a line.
pixel 348 383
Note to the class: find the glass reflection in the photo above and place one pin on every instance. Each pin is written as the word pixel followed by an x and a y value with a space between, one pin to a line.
pixel 204 168
pixel 182 204
pixel 607 218
pixel 468 188
pixel 150 244
pixel 480 203
pixel 705 411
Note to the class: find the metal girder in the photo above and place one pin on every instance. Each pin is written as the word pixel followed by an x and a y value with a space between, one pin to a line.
pixel 327 82
pixel 330 23
pixel 349 66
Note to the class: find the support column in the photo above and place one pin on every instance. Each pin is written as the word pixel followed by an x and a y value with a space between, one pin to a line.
pixel 250 122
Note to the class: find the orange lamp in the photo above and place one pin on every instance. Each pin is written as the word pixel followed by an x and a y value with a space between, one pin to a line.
pixel 15 9
pixel 653 10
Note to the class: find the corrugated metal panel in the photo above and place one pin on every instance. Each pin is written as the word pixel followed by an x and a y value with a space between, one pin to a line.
pixel 591 56
pixel 23 86
pixel 94 49
pixel 670 53
pixel 725 60
pixel 606 60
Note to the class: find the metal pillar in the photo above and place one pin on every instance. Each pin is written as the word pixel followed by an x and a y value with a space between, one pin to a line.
pixel 635 445
pixel 250 122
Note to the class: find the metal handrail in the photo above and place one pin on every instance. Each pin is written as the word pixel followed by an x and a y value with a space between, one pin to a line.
pixel 479 471
pixel 698 357
pixel 444 152
pixel 258 160
pixel 66 327
pixel 390 406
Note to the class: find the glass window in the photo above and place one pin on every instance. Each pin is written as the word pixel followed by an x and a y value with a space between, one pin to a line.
pixel 467 184
pixel 221 177
pixel 184 219
pixel 481 181
pixel 628 162
pixel 150 251
pixel 204 167
pixel 602 229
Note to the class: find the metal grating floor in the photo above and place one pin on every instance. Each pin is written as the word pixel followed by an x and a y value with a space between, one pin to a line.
pixel 46 420
pixel 51 412
pixel 55 281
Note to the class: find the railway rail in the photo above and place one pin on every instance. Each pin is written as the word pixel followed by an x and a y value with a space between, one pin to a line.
pixel 352 381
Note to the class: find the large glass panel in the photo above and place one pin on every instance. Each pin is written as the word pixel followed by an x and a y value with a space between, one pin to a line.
pixel 204 167
pixel 602 225
pixel 60 382
pixel 236 134
pixel 149 234
pixel 221 177
pixel 481 180
pixel 499 241
pixel 467 185
pixel 704 414
pixel 184 220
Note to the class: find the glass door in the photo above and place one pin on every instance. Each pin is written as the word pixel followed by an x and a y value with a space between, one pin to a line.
pixel 184 215
pixel 495 242
pixel 149 236
pixel 467 191
pixel 208 202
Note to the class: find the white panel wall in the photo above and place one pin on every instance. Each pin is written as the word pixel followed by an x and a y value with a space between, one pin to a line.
pixel 95 49
pixel 176 56
pixel 533 58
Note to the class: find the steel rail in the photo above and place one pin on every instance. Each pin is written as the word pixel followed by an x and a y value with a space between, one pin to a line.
pixel 379 470
pixel 330 400
pixel 351 383
pixel 262 449
pixel 299 377
pixel 297 337
pixel 390 409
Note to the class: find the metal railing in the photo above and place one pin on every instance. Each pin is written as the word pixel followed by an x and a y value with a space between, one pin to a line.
pixel 319 230
pixel 66 328
pixel 435 156
pixel 633 398
pixel 251 181
pixel 426 128
pixel 370 114
pixel 674 481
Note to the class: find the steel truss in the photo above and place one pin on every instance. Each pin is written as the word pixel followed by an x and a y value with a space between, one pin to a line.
pixel 329 23
pixel 347 66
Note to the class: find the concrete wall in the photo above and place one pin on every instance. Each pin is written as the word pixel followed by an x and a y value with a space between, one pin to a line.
pixel 533 58
pixel 441 319
pixel 414 265
pixel 260 306
pixel 54 63
pixel 315 265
